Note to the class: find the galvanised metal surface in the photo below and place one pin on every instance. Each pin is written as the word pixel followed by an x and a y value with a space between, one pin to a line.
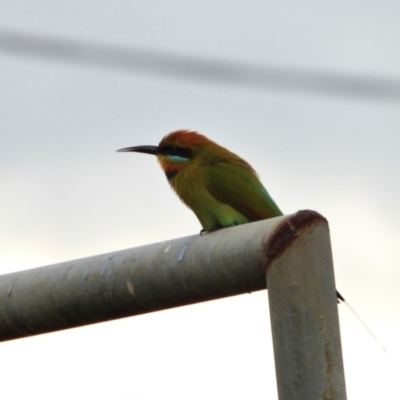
pixel 292 251
pixel 134 281
pixel 303 310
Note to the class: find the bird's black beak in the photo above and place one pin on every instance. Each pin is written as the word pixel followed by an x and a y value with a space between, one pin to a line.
pixel 141 149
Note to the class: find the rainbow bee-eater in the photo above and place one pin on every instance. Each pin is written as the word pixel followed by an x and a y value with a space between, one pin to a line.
pixel 221 188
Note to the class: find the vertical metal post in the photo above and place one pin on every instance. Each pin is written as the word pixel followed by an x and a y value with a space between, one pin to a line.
pixel 303 310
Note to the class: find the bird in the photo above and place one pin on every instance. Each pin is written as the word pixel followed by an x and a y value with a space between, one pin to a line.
pixel 220 187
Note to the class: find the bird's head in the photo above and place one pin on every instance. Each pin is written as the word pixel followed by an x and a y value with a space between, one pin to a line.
pixel 176 150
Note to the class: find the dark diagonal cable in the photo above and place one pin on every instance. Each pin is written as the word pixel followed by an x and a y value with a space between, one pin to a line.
pixel 200 69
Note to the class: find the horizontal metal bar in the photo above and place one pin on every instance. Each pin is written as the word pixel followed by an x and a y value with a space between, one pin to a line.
pixel 292 253
pixel 134 281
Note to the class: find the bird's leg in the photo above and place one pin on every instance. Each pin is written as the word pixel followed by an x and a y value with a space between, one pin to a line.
pixel 213 229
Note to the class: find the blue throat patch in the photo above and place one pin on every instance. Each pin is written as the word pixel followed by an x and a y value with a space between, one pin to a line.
pixel 176 158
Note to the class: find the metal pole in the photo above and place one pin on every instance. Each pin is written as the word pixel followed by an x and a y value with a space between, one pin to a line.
pixel 294 250
pixel 303 310
pixel 134 281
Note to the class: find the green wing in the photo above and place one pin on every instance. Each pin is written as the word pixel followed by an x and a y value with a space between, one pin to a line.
pixel 234 182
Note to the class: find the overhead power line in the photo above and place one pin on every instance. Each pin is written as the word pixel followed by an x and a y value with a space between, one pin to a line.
pixel 199 68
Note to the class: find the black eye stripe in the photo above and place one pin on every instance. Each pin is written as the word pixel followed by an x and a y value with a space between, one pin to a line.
pixel 176 151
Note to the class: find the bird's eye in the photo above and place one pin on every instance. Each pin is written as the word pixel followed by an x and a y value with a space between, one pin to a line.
pixel 173 150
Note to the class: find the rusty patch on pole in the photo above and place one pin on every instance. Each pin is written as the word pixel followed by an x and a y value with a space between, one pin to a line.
pixel 286 233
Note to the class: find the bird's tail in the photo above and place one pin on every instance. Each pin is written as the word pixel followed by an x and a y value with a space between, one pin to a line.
pixel 340 298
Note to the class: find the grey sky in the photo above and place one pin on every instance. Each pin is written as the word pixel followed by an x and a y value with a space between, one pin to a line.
pixel 66 193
